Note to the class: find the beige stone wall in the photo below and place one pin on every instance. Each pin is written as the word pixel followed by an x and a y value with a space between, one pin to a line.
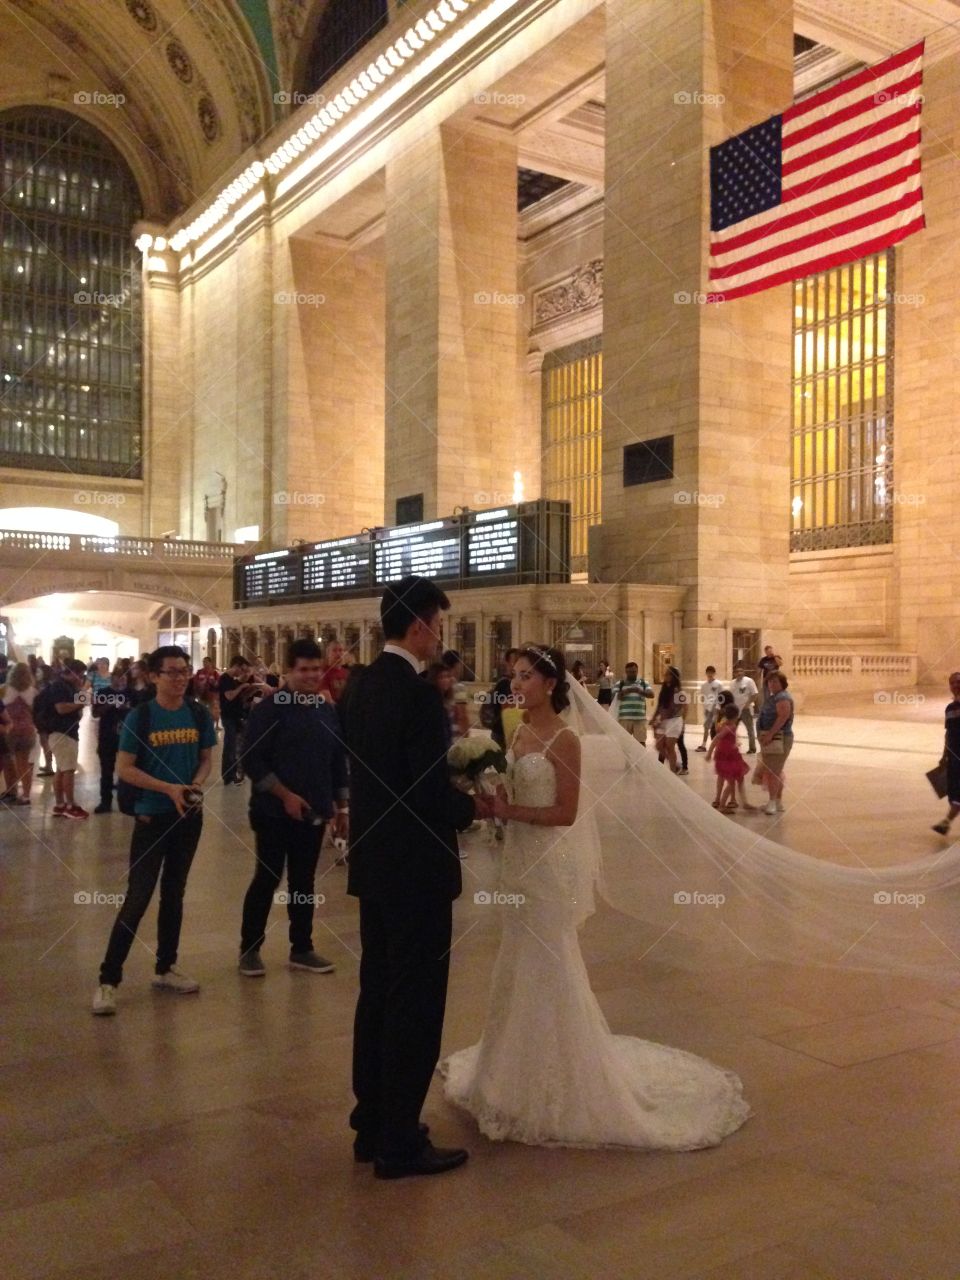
pixel 844 598
pixel 330 392
pixel 119 500
pixel 716 378
pixel 166 404
pixel 228 368
pixel 453 312
pixel 927 514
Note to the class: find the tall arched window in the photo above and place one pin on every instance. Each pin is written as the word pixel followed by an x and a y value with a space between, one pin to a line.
pixel 70 299
pixel 345 27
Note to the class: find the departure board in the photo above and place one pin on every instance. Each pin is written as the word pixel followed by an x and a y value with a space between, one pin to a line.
pixel 493 543
pixel 340 565
pixel 527 543
pixel 431 549
pixel 272 574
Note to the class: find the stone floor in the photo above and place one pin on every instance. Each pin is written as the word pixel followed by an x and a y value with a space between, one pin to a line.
pixel 205 1136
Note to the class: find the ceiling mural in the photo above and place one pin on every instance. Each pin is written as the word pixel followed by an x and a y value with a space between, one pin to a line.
pixel 181 89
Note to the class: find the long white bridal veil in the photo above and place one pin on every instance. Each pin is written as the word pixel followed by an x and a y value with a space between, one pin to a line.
pixel 708 892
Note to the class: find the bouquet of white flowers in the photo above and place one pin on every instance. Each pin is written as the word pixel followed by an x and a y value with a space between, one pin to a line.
pixel 471 757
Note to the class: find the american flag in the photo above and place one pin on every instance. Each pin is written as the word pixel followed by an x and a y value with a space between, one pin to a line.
pixel 831 180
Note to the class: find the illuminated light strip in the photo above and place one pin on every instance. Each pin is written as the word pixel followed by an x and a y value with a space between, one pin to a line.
pixel 386 100
pixel 227 229
pixel 437 20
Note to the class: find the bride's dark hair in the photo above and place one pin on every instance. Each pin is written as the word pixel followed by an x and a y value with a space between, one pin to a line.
pixel 549 663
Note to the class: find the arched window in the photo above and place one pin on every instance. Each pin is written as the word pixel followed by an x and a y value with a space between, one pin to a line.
pixel 70 299
pixel 345 27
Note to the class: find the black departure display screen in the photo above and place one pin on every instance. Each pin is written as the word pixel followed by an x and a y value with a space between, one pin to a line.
pixel 493 543
pixel 431 549
pixel 272 574
pixel 340 565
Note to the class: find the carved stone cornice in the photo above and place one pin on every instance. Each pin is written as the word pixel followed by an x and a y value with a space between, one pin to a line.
pixel 578 292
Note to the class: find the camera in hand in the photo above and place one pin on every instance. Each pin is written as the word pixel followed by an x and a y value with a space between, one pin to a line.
pixel 193 797
pixel 312 818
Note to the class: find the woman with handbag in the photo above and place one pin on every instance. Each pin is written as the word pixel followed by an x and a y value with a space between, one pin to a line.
pixel 775 735
pixel 951 756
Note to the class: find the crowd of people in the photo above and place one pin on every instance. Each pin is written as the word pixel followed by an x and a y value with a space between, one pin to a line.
pixel 326 731
pixel 763 706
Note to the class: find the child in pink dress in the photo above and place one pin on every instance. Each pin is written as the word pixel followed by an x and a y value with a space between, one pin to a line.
pixel 730 765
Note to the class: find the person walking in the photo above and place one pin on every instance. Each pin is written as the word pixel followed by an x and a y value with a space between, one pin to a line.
pixel 710 692
pixel 951 755
pixel 669 719
pixel 744 690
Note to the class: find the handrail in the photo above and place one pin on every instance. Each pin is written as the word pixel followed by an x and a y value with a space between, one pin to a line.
pixel 121 545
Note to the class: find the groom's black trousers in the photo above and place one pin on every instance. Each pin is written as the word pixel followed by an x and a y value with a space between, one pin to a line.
pixel 399 1019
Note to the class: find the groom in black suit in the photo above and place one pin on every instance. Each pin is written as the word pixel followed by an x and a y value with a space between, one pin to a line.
pixel 405 869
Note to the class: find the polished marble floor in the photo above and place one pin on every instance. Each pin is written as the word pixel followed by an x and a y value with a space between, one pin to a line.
pixel 205 1136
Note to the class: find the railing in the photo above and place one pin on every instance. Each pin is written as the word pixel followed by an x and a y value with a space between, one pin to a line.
pixel 143 548
pixel 816 666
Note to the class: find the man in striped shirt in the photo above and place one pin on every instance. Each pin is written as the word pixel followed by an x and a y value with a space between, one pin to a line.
pixel 630 702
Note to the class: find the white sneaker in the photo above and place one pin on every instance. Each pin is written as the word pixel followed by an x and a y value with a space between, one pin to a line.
pixel 781 808
pixel 174 980
pixel 105 999
pixel 771 808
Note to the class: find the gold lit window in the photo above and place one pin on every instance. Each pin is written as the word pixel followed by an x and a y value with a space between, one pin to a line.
pixel 842 459
pixel 572 415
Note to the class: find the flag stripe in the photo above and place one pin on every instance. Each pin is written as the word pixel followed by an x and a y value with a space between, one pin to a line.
pixel 814 266
pixel 908 142
pixel 849 140
pixel 901 89
pixel 867 76
pixel 846 196
pixel 810 239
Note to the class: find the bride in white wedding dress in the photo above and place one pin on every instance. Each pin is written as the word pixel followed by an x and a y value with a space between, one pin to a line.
pixel 548 1070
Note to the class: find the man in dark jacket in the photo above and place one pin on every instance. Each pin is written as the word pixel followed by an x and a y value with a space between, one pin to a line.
pixel 405 869
pixel 297 765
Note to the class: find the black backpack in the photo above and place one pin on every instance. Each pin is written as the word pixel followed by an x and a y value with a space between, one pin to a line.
pixel 139 719
pixel 44 715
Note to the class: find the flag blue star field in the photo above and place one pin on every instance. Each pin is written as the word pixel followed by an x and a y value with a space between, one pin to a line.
pixel 833 179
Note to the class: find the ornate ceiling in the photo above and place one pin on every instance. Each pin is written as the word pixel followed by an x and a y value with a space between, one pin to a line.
pixel 182 89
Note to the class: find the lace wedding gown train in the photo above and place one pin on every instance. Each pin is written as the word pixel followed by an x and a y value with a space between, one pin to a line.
pixel 547 1070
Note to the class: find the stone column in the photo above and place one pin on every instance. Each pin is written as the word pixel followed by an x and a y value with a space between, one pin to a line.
pixel 926 517
pixel 453 311
pixel 329 304
pixel 163 398
pixel 716 379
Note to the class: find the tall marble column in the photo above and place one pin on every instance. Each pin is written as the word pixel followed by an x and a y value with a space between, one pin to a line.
pixel 453 310
pixel 716 379
pixel 328 464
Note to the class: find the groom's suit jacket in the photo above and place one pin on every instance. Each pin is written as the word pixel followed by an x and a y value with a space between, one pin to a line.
pixel 404 811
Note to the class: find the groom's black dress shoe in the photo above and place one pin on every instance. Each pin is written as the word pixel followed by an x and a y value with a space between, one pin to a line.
pixel 429 1159
pixel 365 1149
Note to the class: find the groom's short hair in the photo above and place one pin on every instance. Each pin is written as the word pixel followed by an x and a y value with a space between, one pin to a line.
pixel 408 600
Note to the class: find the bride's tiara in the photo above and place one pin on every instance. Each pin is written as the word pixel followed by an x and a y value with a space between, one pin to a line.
pixel 543 656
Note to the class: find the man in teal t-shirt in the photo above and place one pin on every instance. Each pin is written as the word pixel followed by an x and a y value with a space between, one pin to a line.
pixel 165 747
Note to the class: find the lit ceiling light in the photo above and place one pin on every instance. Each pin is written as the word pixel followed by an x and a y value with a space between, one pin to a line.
pixel 404 48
